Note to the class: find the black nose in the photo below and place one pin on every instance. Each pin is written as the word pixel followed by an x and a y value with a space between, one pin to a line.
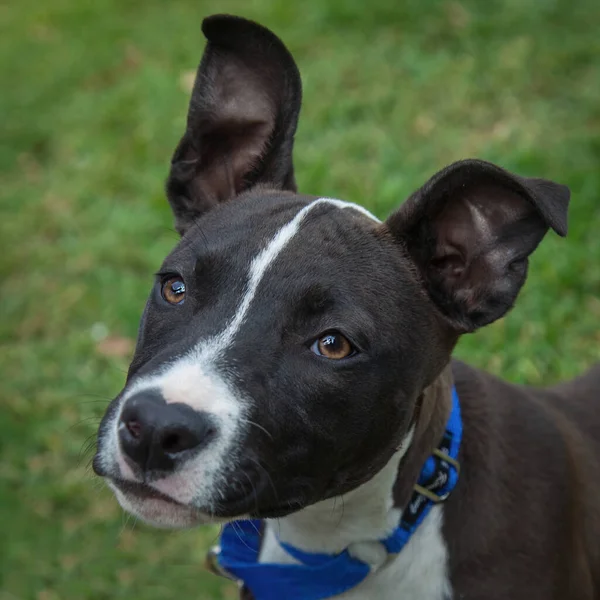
pixel 156 436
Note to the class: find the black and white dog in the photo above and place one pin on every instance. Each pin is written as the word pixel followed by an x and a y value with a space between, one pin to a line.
pixel 294 367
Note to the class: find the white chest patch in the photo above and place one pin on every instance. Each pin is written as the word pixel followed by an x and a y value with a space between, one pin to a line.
pixel 419 572
pixel 365 516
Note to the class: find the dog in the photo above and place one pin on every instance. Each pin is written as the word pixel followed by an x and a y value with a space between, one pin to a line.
pixel 293 377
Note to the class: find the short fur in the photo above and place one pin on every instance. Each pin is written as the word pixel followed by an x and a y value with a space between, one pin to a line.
pixel 230 410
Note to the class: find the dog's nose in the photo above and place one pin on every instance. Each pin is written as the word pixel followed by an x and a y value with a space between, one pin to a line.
pixel 155 435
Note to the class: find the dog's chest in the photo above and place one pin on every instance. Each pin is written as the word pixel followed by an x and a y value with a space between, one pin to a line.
pixel 419 572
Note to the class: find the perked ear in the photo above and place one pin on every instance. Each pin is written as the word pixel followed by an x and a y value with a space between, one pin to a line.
pixel 241 121
pixel 470 230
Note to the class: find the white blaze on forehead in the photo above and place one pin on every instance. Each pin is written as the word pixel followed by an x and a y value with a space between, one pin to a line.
pixel 258 268
pixel 207 350
pixel 194 380
pixel 191 379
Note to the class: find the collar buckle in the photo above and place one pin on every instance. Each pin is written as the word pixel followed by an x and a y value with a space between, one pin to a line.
pixel 446 458
pixel 435 498
pixel 431 495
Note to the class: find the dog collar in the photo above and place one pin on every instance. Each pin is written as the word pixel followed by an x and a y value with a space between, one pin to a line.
pixel 318 576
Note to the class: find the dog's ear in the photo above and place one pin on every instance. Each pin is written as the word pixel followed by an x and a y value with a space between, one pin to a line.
pixel 470 230
pixel 241 121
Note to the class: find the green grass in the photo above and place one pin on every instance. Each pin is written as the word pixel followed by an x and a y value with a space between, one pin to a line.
pixel 93 100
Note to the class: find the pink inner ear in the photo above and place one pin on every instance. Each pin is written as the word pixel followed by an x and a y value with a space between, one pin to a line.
pixel 469 225
pixel 449 262
pixel 229 153
pixel 233 123
pixel 470 254
pixel 455 232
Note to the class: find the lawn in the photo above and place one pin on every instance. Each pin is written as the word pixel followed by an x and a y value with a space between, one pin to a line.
pixel 94 95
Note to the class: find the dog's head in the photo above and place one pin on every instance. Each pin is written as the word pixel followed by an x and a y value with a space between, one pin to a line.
pixel 287 338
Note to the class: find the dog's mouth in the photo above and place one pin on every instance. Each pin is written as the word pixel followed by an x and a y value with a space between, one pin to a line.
pixel 141 491
pixel 133 489
pixel 238 503
pixel 155 508
pixel 248 493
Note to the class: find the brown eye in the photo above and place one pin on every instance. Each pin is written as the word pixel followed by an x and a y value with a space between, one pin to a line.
pixel 173 290
pixel 332 345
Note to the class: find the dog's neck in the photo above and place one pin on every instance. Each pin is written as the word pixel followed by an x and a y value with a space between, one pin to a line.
pixel 357 520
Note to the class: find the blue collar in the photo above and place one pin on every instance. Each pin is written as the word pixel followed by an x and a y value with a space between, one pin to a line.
pixel 320 576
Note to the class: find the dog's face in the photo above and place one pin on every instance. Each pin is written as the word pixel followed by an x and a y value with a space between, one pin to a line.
pixel 288 338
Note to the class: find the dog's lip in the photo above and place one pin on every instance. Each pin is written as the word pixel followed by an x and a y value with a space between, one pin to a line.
pixel 98 467
pixel 231 509
pixel 143 491
pixel 248 503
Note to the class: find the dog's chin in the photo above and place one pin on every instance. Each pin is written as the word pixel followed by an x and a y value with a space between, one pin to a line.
pixel 160 511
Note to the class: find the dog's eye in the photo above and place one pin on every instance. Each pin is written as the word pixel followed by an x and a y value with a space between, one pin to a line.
pixel 173 289
pixel 333 345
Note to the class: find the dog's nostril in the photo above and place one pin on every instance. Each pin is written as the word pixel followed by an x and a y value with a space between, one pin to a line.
pixel 171 443
pixel 134 428
pixel 179 439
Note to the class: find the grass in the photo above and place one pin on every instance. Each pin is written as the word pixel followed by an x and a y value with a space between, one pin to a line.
pixel 94 95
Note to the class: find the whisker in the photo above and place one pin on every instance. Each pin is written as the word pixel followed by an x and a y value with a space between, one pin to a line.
pixel 270 480
pixel 98 398
pixel 253 489
pixel 343 511
pixel 84 420
pixel 234 524
pixel 255 527
pixel 88 444
pixel 125 516
pixel 258 427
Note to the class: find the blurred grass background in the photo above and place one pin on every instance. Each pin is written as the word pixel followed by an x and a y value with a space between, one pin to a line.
pixel 93 101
